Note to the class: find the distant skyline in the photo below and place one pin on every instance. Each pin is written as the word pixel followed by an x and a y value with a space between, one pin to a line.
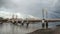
pixel 24 8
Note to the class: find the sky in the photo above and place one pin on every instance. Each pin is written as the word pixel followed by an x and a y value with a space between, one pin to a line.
pixel 29 8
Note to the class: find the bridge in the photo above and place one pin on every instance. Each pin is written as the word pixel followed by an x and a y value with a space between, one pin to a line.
pixel 32 21
pixel 36 20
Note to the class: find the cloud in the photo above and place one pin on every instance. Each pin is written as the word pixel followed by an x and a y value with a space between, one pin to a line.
pixel 28 7
pixel 56 10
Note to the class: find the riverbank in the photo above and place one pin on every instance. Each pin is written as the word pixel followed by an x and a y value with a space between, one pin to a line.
pixel 47 31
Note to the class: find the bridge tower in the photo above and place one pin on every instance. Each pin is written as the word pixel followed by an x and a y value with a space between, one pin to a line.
pixel 43 20
pixel 16 19
pixel 46 18
pixel 13 18
pixel 27 23
pixel 16 16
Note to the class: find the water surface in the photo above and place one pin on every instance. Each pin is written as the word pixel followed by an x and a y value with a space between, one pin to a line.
pixel 9 28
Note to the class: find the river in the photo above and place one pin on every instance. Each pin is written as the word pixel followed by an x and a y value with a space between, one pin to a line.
pixel 9 28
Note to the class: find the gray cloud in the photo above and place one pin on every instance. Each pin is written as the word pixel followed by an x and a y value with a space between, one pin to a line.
pixel 56 10
pixel 29 7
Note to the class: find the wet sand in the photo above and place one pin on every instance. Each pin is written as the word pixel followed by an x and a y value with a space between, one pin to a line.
pixel 47 31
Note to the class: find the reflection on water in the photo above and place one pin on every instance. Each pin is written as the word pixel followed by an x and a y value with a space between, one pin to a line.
pixel 8 28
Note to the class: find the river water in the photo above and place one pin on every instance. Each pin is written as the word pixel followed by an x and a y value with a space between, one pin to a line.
pixel 9 28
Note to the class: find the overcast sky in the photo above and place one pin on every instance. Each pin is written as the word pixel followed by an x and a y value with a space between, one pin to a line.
pixel 32 8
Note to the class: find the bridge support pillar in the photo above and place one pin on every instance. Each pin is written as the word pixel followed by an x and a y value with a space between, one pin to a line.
pixel 47 24
pixel 22 23
pixel 1 22
pixel 16 22
pixel 43 25
pixel 27 25
pixel 13 22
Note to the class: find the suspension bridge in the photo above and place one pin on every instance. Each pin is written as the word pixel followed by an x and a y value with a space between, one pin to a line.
pixel 32 20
